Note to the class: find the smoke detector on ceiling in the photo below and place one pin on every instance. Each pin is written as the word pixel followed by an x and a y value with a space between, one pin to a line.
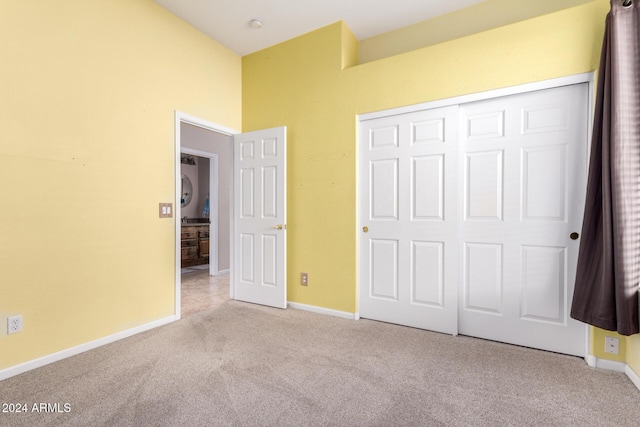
pixel 256 23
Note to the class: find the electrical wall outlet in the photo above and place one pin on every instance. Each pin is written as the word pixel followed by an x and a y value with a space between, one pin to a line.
pixel 304 279
pixel 14 324
pixel 611 345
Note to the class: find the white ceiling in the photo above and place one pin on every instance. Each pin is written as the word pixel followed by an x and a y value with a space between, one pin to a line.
pixel 227 21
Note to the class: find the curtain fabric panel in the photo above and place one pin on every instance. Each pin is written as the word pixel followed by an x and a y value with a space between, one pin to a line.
pixel 608 273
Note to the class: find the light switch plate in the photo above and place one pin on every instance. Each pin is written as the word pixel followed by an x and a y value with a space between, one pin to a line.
pixel 166 210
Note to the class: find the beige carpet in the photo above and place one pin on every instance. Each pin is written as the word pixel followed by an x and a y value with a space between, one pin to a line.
pixel 245 365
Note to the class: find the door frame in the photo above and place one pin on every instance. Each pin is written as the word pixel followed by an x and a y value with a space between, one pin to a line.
pixel 459 100
pixel 213 203
pixel 181 117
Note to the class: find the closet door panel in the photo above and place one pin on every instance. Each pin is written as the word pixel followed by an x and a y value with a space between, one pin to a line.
pixel 522 295
pixel 408 236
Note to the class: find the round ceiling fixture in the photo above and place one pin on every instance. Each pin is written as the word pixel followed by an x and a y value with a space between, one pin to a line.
pixel 256 23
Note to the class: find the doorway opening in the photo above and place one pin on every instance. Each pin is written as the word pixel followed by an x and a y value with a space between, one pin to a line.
pixel 203 201
pixel 199 216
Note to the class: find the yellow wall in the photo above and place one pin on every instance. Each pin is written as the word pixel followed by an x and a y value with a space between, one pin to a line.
pixel 483 16
pixel 88 91
pixel 301 84
pixel 629 351
pixel 597 343
pixel 632 353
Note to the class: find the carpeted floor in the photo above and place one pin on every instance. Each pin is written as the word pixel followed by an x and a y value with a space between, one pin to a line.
pixel 240 364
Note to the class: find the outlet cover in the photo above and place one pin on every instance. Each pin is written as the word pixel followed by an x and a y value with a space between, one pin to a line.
pixel 611 345
pixel 14 324
pixel 304 279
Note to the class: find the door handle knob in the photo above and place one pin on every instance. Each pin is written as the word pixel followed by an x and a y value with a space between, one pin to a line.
pixel 574 236
pixel 365 229
pixel 278 227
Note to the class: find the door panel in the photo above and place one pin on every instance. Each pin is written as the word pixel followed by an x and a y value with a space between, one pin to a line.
pixel 484 185
pixel 543 283
pixel 384 269
pixel 483 291
pixel 428 188
pixel 260 217
pixel 427 280
pixel 384 189
pixel 409 167
pixel 544 183
pixel 519 265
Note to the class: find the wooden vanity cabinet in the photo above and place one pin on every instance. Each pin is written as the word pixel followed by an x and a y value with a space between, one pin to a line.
pixel 194 244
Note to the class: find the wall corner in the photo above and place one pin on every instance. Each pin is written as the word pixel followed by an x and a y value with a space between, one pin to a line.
pixel 598 337
pixel 350 47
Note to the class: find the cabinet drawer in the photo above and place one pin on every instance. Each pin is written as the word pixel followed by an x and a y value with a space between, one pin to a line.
pixel 203 234
pixel 187 243
pixel 190 253
pixel 188 234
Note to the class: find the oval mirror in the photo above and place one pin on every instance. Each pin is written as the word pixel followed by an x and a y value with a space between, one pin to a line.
pixel 187 191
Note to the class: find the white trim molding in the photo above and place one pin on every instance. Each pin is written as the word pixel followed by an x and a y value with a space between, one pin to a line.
pixel 322 310
pixel 635 379
pixel 611 365
pixel 480 96
pixel 63 354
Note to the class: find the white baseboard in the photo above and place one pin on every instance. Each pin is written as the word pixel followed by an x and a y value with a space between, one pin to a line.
pixel 322 310
pixel 63 354
pixel 610 365
pixel 635 379
pixel 592 361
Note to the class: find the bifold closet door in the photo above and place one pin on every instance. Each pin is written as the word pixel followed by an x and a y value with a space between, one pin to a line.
pixel 408 214
pixel 523 181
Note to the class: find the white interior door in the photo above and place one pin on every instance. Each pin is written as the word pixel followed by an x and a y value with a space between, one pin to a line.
pixel 524 177
pixel 408 243
pixel 259 237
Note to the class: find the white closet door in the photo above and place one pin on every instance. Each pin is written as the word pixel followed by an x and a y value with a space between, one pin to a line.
pixel 408 215
pixel 524 163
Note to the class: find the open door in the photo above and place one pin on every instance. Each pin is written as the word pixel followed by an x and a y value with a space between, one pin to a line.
pixel 260 227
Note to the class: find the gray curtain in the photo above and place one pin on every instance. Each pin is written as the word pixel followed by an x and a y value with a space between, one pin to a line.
pixel 608 274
